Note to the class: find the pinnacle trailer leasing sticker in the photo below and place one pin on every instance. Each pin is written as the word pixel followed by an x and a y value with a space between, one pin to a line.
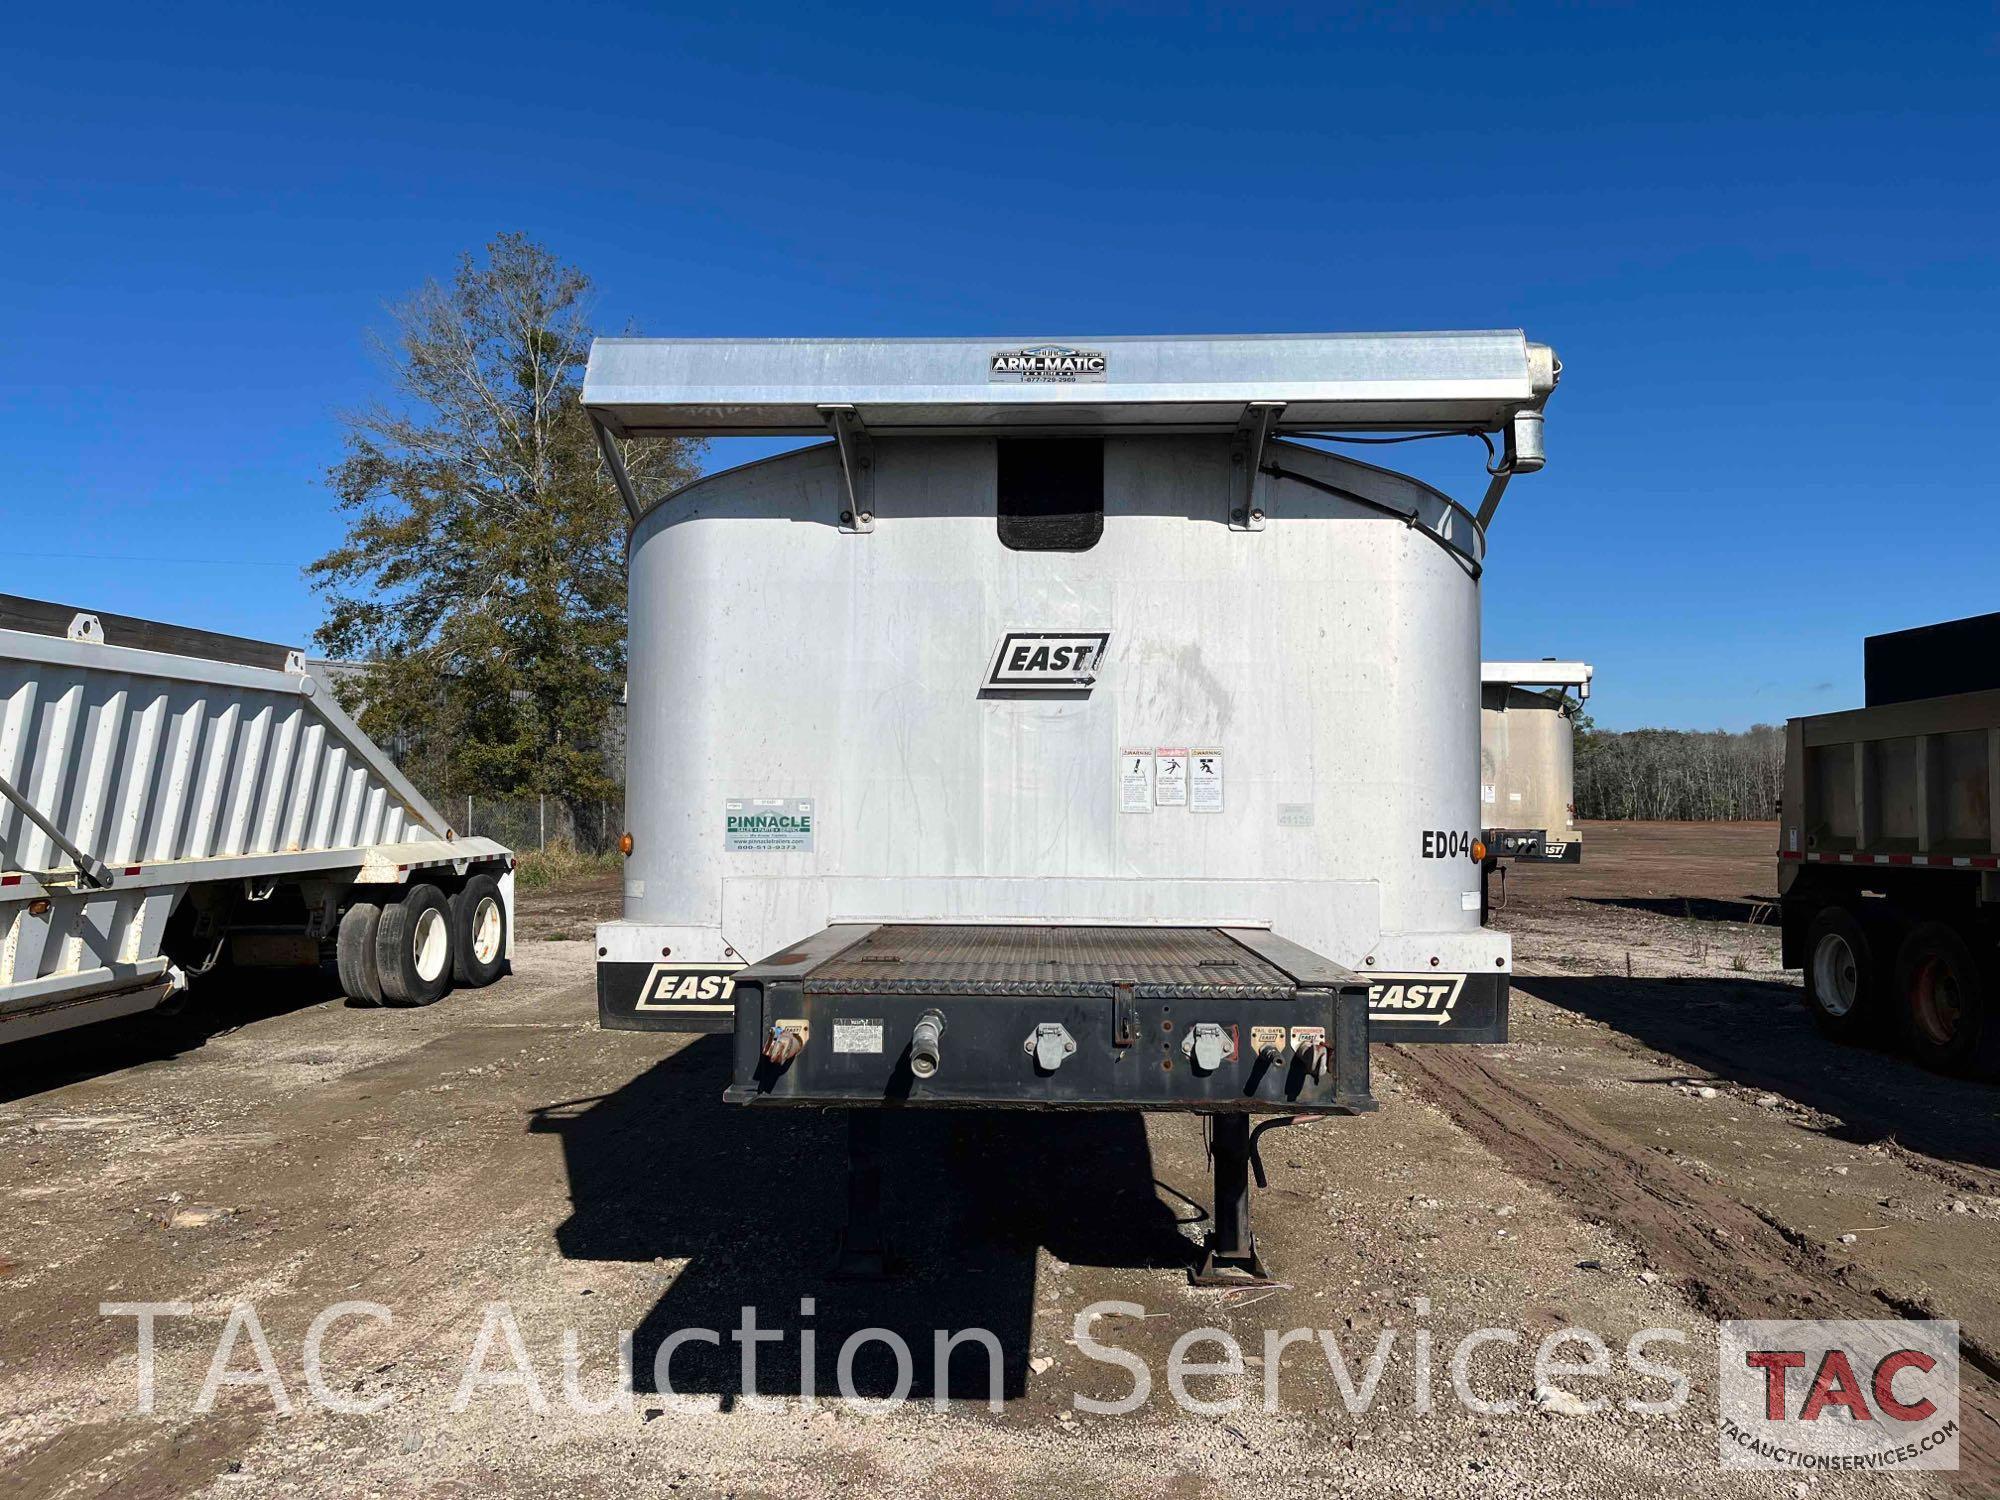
pixel 751 824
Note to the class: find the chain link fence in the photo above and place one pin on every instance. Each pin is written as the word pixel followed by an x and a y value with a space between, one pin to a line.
pixel 539 823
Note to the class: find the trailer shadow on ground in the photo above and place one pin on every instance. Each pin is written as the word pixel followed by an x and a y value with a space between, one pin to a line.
pixel 754 1200
pixel 1757 1033
pixel 219 1003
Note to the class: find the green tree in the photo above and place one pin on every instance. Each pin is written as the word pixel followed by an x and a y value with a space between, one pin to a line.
pixel 482 577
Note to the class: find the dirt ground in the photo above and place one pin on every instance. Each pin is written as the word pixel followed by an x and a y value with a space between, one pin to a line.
pixel 1665 1142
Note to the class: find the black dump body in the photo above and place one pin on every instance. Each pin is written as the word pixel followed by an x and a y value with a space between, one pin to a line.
pixel 1219 1020
pixel 1932 661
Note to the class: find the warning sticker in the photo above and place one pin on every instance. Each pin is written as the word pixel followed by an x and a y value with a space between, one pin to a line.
pixel 857 1036
pixel 1486 791
pixel 767 824
pixel 1135 781
pixel 1170 775
pixel 1205 781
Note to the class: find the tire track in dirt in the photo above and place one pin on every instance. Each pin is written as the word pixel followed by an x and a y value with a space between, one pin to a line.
pixel 1856 1091
pixel 1730 1259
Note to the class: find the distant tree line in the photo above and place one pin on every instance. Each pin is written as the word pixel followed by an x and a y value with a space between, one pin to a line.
pixel 1679 774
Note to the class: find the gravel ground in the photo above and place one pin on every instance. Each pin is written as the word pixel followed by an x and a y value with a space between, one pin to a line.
pixel 281 1149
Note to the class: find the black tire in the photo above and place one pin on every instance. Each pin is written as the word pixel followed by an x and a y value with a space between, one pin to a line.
pixel 413 947
pixel 1846 983
pixel 354 953
pixel 478 926
pixel 1951 1022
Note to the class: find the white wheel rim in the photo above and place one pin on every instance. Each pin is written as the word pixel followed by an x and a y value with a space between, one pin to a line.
pixel 1836 976
pixel 430 944
pixel 486 930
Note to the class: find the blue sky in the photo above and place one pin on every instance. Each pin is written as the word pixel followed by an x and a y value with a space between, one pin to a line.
pixel 1762 238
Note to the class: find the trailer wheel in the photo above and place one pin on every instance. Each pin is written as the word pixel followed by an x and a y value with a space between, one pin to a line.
pixel 479 932
pixel 354 953
pixel 1844 988
pixel 413 947
pixel 1949 1020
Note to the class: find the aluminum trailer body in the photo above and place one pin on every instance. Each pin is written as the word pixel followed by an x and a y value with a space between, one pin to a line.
pixel 1058 638
pixel 172 798
pixel 1527 760
pixel 1889 873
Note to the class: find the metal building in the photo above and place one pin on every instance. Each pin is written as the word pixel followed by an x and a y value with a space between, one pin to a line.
pixel 1527 759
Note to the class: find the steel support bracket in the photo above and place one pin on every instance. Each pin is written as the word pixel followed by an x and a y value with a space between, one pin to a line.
pixel 607 445
pixel 1246 458
pixel 1491 503
pixel 857 468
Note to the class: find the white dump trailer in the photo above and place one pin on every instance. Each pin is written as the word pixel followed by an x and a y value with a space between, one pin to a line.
pixel 1889 850
pixel 1527 759
pixel 173 799
pixel 1060 733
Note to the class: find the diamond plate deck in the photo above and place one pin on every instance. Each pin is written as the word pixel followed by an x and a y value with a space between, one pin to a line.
pixel 1049 960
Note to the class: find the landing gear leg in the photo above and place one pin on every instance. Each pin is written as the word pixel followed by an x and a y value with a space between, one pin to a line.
pixel 1231 1257
pixel 862 1253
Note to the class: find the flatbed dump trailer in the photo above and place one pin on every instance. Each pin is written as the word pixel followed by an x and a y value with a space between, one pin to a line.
pixel 174 799
pixel 1527 759
pixel 1067 732
pixel 1889 851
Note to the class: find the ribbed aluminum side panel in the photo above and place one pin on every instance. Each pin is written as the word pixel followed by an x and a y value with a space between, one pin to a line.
pixel 144 769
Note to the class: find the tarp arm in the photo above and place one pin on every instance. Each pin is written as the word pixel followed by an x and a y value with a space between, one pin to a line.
pixel 1523 455
pixel 1246 460
pixel 615 462
pixel 90 870
pixel 857 466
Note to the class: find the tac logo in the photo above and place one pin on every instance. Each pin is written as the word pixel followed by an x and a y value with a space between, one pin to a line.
pixel 1839 1395
pixel 1045 661
pixel 1048 364
pixel 689 987
pixel 1427 998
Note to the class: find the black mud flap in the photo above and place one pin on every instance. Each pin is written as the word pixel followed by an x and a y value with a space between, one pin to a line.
pixel 1437 1007
pixel 666 996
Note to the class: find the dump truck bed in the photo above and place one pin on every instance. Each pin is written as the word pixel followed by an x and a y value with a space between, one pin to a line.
pixel 141 763
pixel 1912 784
pixel 1154 1017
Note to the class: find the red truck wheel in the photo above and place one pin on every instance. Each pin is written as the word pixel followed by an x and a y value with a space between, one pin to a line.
pixel 1949 1012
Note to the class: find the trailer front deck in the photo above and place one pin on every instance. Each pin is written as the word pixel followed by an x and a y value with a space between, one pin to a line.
pixel 1052 1016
